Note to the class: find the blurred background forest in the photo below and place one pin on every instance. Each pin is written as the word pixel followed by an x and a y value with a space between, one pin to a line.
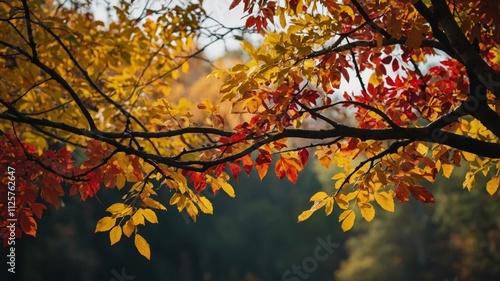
pixel 256 237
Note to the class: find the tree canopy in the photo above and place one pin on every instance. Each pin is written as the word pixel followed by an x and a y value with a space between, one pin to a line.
pixel 393 93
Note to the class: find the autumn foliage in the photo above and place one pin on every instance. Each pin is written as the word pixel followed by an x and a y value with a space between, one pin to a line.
pixel 392 93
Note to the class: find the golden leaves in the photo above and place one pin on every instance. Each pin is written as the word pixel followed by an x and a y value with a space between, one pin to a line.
pixel 288 165
pixel 347 218
pixel 318 196
pixel 128 228
pixel 367 211
pixel 142 246
pixel 137 216
pixel 115 234
pixel 105 224
pixel 304 215
pixel 205 205
pixel 470 181
pixel 492 185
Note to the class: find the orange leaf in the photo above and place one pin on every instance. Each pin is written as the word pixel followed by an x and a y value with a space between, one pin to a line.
pixel 37 209
pixel 28 224
pixel 288 166
pixel 403 194
pixel 263 162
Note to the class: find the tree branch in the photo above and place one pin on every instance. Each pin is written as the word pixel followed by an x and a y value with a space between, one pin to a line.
pixel 465 51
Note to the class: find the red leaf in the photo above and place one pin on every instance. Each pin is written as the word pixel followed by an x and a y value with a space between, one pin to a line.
pixel 234 4
pixel 92 186
pixel 386 60
pixel 402 194
pixel 382 69
pixel 51 190
pixel 37 209
pixel 247 164
pixel 198 179
pixel 263 162
pixel 304 156
pixel 237 137
pixel 421 194
pixel 250 21
pixel 395 65
pixel 235 169
pixel 28 224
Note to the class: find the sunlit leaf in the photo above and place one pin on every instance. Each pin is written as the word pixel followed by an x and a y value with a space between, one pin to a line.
pixel 385 201
pixel 105 224
pixel 347 218
pixel 115 234
pixel 492 185
pixel 142 246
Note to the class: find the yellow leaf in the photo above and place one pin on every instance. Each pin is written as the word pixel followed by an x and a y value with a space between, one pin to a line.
pixel 492 185
pixel 343 204
pixel 468 156
pixel 142 246
pixel 116 208
pixel 422 149
pixel 182 203
pixel 128 228
pixel 185 66
pixel 470 181
pixel 115 234
pixel 385 200
pixel 329 206
pixel 318 196
pixel 205 205
pixel 175 198
pixel 150 215
pixel 447 170
pixel 138 218
pixel 375 79
pixel 282 17
pixel 367 211
pixel 105 224
pixel 120 181
pixel 192 210
pixel 338 176
pixel 305 215
pixel 153 203
pixel 347 218
pixel 119 208
pixel 179 182
pixel 228 189
pixel 253 104
pixel 247 47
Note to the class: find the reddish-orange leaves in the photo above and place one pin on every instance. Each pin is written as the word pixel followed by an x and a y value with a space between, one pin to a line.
pixel 421 194
pixel 263 162
pixel 235 169
pixel 288 165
